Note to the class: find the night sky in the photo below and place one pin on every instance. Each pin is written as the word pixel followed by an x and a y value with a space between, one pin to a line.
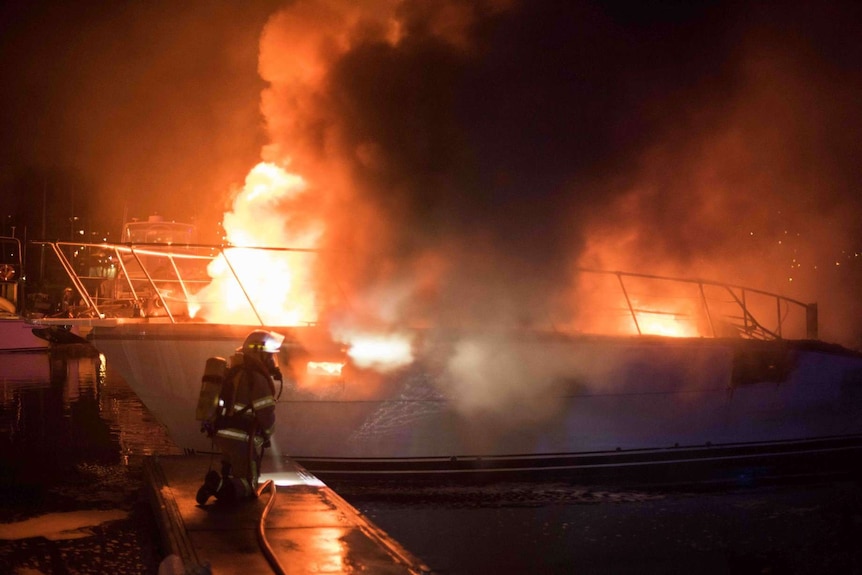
pixel 472 146
pixel 128 107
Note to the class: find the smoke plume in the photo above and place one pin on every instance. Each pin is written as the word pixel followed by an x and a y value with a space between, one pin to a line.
pixel 467 158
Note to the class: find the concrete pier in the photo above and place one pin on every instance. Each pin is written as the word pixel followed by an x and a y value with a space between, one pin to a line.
pixel 309 527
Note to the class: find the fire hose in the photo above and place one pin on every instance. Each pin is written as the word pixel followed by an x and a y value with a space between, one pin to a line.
pixel 262 541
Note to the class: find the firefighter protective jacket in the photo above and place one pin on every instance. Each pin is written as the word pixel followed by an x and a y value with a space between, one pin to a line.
pixel 251 409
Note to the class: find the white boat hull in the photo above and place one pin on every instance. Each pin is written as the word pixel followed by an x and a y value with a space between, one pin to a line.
pixel 611 396
pixel 16 334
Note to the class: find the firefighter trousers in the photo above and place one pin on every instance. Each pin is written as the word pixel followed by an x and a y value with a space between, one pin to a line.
pixel 241 454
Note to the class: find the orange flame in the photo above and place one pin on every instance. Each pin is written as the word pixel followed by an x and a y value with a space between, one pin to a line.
pixel 276 286
pixel 380 352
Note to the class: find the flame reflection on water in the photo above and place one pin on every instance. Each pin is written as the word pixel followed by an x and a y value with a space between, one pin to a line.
pixel 65 407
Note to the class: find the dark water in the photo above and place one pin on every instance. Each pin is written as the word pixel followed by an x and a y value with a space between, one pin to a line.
pixel 562 529
pixel 72 439
pixel 73 436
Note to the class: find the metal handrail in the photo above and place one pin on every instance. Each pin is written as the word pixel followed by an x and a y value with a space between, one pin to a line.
pixel 122 254
pixel 750 322
pixel 143 286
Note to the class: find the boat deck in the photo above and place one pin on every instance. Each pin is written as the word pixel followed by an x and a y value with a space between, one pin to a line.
pixel 308 528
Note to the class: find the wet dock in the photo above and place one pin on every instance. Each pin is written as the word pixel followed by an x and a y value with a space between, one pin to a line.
pixel 308 528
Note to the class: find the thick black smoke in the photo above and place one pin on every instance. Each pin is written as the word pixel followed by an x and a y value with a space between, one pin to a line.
pixel 487 149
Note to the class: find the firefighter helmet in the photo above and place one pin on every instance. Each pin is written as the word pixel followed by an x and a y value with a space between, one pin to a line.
pixel 262 341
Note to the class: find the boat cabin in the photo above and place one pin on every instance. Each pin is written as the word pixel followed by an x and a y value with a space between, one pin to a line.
pixel 155 230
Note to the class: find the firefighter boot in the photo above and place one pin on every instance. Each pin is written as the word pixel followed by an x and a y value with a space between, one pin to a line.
pixel 227 492
pixel 212 483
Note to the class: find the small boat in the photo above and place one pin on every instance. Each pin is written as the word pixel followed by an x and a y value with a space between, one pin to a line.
pixel 744 388
pixel 16 332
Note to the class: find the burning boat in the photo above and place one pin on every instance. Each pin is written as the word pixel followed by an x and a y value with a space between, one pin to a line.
pixel 683 378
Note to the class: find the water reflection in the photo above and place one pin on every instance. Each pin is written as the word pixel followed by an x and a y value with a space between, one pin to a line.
pixel 63 408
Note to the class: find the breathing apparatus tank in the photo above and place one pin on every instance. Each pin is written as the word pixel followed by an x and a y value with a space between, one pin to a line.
pixel 211 389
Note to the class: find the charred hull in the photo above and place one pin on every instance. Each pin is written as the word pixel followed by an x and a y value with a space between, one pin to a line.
pixel 618 409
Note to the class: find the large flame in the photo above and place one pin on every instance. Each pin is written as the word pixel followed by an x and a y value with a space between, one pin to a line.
pixel 277 287
pixel 380 167
pixel 323 206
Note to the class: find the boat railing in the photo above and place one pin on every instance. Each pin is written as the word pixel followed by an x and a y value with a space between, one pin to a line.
pixel 134 280
pixel 152 280
pixel 717 309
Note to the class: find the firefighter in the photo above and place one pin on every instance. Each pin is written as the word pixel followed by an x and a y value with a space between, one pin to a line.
pixel 245 419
